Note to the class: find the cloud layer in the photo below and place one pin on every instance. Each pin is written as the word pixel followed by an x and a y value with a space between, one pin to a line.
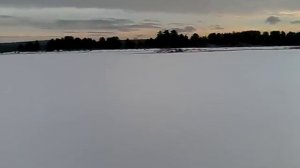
pixel 295 22
pixel 135 19
pixel 192 6
pixel 112 24
pixel 216 27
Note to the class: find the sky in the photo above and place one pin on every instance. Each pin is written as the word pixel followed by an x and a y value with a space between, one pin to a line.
pixel 22 20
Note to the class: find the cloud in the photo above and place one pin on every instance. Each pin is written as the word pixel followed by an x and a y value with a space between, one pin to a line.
pixel 90 32
pixel 107 24
pixel 152 20
pixel 69 25
pixel 187 29
pixel 272 20
pixel 136 27
pixel 216 27
pixel 90 24
pixel 6 16
pixel 144 26
pixel 175 6
pixel 289 13
pixel 176 24
pixel 295 22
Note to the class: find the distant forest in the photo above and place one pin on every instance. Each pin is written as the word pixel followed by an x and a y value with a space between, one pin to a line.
pixel 169 39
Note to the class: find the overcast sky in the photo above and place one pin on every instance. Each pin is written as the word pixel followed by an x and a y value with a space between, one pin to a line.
pixel 43 19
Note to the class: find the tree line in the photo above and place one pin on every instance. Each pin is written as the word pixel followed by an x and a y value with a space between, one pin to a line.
pixel 170 39
pixel 29 46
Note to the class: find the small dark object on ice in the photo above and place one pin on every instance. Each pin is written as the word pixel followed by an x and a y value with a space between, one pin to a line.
pixel 171 50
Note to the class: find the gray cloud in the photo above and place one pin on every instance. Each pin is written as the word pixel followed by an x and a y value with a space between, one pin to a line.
pixel 91 24
pixel 90 32
pixel 143 26
pixel 272 20
pixel 111 24
pixel 187 29
pixel 216 27
pixel 6 16
pixel 295 22
pixel 176 24
pixel 190 6
pixel 152 20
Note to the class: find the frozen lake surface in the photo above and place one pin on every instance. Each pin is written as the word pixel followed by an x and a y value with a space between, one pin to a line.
pixel 139 109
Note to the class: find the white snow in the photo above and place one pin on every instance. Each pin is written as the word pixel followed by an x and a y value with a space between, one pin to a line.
pixel 138 109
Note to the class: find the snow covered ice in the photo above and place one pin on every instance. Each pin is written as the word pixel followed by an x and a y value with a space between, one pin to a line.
pixel 140 109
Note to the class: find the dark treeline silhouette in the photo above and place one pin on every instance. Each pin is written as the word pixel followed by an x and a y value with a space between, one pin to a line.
pixel 29 47
pixel 171 39
pixel 70 43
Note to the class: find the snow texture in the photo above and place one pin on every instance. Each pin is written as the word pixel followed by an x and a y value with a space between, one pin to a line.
pixel 141 109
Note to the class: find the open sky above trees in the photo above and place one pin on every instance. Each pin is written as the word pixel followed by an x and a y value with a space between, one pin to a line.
pixel 44 19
